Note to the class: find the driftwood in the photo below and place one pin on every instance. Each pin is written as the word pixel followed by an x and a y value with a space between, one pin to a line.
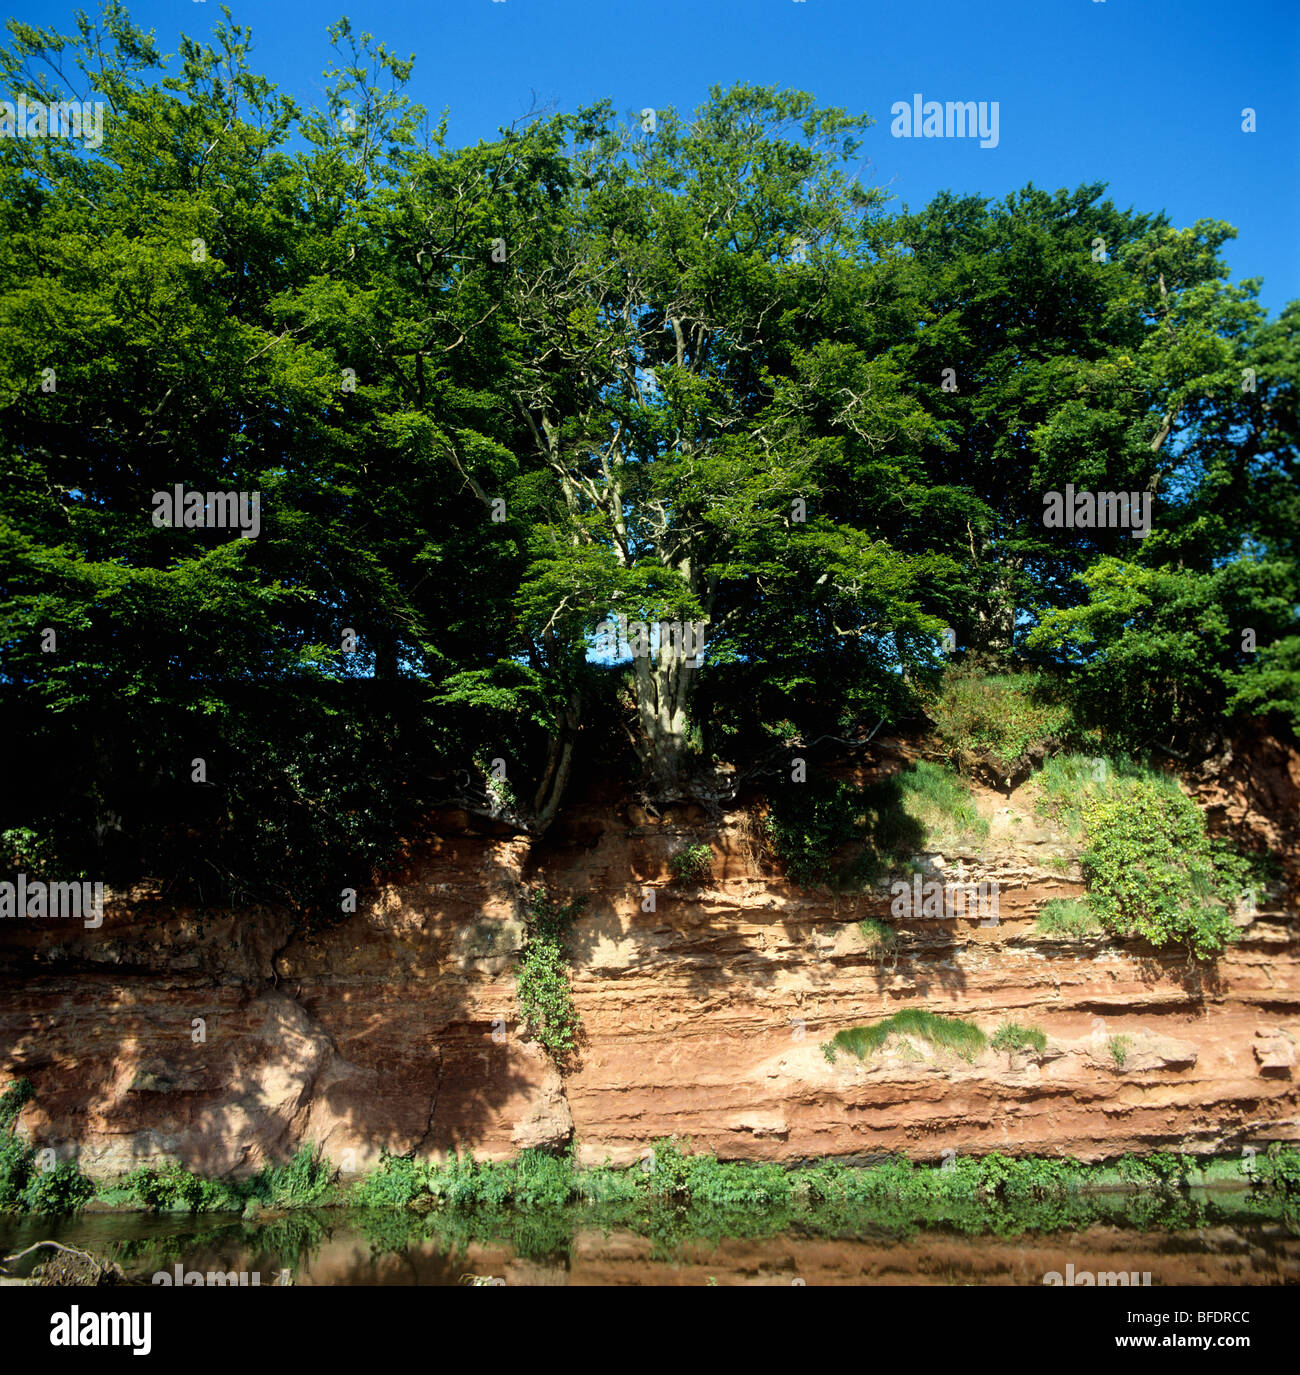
pixel 82 1268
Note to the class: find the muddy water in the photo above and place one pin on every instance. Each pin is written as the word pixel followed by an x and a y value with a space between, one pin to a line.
pixel 341 1248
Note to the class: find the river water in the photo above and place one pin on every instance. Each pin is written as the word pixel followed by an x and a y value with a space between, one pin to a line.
pixel 570 1246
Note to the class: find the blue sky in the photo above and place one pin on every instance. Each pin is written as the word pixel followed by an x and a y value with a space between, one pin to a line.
pixel 1143 94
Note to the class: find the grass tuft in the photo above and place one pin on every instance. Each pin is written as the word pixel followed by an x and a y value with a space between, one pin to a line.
pixel 949 1033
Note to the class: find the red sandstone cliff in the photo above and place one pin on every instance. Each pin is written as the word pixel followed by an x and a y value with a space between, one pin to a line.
pixel 399 1029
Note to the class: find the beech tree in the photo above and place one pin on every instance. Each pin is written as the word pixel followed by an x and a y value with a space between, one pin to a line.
pixel 682 386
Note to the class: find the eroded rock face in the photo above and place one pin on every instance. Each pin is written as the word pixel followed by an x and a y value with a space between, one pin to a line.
pixel 227 1043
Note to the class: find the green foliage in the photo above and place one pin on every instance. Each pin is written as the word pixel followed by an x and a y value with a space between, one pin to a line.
pixel 545 996
pixel 60 1189
pixel 23 1187
pixel 998 716
pixel 1159 1169
pixel 303 1182
pixel 1159 650
pixel 1153 872
pixel 1278 1168
pixel 13 1100
pixel 17 1165
pixel 938 800
pixel 808 823
pixel 670 1174
pixel 1151 868
pixel 171 1187
pixel 1067 917
pixel 1010 1036
pixel 534 1181
pixel 396 1182
pixel 691 864
pixel 1068 783
pixel 951 1033
pixel 1119 1047
pixel 924 806
pixel 335 252
pixel 878 935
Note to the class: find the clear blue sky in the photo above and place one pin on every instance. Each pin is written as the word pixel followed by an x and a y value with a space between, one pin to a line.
pixel 1143 94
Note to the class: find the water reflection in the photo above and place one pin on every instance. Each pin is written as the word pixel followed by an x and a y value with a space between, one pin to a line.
pixel 1185 1239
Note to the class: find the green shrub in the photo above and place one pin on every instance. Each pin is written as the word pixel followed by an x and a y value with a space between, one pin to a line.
pixel 1010 1037
pixel 670 1174
pixel 1152 871
pixel 962 1038
pixel 545 997
pixel 171 1188
pixel 27 850
pixel 301 1183
pixel 1159 1169
pixel 1067 917
pixel 17 1159
pixel 1067 783
pixel 14 1099
pixel 1119 1048
pixel 1151 868
pixel 1278 1168
pixel 541 1180
pixel 807 823
pixel 60 1189
pixel 998 716
pixel 878 935
pixel 692 864
pixel 396 1182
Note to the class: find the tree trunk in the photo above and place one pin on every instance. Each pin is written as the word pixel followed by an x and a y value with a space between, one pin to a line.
pixel 663 682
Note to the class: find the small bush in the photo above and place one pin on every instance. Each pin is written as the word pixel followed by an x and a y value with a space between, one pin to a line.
pixel 60 1189
pixel 998 716
pixel 1010 1037
pixel 1068 782
pixel 807 823
pixel 878 935
pixel 542 1180
pixel 1152 871
pixel 693 864
pixel 17 1160
pixel 545 997
pixel 1070 917
pixel 1119 1048
pixel 396 1182
pixel 302 1183
pixel 171 1188
pixel 1279 1169
pixel 14 1099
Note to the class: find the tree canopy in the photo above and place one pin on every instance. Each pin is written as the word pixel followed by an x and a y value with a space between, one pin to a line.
pixel 682 372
